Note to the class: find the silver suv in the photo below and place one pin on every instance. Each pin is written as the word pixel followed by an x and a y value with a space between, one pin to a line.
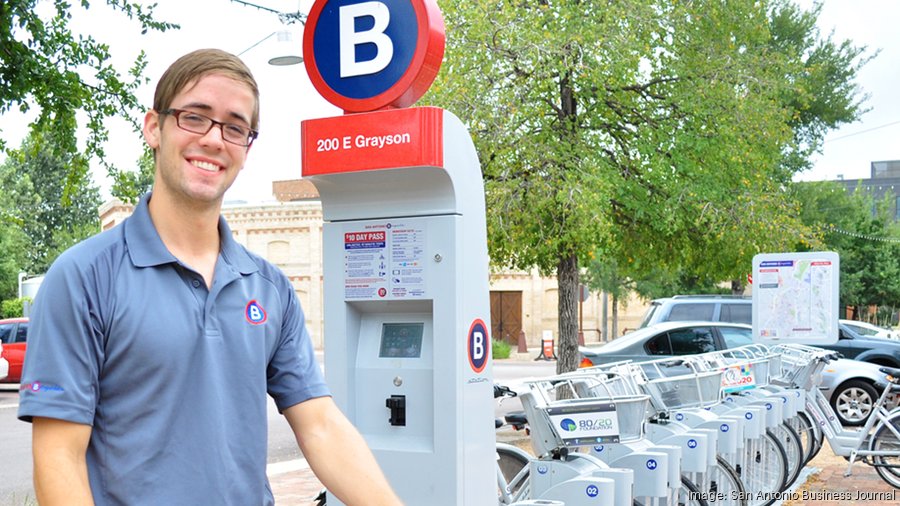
pixel 705 308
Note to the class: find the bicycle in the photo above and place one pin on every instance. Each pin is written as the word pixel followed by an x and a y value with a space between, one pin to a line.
pixel 876 443
pixel 652 473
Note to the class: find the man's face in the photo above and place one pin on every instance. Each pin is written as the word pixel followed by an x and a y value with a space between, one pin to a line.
pixel 196 168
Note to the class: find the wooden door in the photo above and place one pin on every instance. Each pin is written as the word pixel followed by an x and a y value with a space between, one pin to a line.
pixel 506 316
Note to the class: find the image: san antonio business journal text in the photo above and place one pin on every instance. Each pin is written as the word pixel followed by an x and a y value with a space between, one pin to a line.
pixel 889 496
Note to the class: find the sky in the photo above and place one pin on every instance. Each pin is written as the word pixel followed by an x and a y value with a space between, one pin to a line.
pixel 849 151
pixel 287 97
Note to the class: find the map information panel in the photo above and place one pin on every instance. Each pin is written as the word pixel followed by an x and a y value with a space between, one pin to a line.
pixel 795 298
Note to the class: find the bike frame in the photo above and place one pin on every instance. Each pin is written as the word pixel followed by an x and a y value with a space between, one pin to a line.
pixel 851 443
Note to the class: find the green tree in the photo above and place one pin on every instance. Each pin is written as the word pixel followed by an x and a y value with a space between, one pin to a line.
pixel 653 131
pixel 863 234
pixel 67 75
pixel 13 308
pixel 602 274
pixel 34 181
pixel 128 186
pixel 14 244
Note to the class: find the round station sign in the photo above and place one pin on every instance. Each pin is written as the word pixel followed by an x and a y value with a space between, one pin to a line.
pixel 365 55
pixel 478 345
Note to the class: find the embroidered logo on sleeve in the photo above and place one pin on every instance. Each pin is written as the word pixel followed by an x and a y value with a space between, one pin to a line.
pixel 37 386
pixel 255 313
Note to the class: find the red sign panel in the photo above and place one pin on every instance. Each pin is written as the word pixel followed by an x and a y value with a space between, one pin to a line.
pixel 377 140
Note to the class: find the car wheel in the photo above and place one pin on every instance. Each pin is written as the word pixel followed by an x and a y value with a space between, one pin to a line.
pixel 853 401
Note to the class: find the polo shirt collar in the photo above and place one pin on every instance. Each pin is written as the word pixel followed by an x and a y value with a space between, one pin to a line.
pixel 146 249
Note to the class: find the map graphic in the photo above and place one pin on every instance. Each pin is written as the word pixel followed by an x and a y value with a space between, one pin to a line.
pixel 795 297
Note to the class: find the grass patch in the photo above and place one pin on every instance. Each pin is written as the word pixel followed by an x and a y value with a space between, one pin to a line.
pixel 500 349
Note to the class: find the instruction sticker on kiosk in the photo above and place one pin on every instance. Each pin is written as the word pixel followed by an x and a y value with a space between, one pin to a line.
pixel 384 261
pixel 738 377
pixel 585 424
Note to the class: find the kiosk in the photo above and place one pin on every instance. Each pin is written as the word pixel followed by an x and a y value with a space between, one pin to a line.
pixel 405 266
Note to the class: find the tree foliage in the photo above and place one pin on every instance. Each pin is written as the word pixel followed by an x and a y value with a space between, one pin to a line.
pixel 67 76
pixel 651 131
pixel 863 234
pixel 33 198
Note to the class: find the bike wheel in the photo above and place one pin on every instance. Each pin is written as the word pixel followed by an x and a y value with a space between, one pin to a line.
pixel 793 449
pixel 764 470
pixel 512 466
pixel 723 482
pixel 689 494
pixel 819 440
pixel 804 428
pixel 887 439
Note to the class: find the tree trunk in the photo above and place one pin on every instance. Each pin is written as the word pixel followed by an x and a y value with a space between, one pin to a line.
pixel 567 278
pixel 604 331
pixel 615 317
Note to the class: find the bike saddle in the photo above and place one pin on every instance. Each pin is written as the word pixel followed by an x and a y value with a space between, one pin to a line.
pixel 517 419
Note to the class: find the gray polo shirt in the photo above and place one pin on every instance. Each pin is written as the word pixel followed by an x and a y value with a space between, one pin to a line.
pixel 172 376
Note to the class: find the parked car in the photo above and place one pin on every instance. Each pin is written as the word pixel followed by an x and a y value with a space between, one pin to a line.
pixel 869 330
pixel 876 350
pixel 13 335
pixel 4 365
pixel 847 384
pixel 723 308
pixel 707 308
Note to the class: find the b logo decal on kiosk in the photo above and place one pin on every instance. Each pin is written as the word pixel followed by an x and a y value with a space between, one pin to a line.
pixel 405 263
pixel 479 346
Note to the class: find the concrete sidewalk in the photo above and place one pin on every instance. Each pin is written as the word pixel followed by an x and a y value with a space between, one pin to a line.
pixel 294 484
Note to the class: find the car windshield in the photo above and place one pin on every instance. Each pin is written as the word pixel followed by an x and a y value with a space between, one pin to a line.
pixel 22 333
pixel 736 337
pixel 6 332
pixel 649 314
pixel 862 329
pixel 692 312
pixel 736 313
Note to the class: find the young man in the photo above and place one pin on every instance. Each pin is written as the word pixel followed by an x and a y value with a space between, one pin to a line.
pixel 153 345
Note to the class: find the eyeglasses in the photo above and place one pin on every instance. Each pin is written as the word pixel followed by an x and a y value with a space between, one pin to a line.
pixel 199 124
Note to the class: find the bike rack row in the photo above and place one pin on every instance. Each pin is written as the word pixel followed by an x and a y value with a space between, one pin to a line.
pixel 728 428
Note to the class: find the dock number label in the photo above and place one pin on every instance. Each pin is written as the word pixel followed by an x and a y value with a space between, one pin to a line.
pixel 479 346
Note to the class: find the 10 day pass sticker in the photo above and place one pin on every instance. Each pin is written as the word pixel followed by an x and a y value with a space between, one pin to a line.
pixel 384 261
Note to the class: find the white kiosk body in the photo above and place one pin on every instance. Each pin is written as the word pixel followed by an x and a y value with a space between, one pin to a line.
pixel 407 311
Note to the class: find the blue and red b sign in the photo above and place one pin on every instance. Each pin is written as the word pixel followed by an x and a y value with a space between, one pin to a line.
pixel 365 55
pixel 478 346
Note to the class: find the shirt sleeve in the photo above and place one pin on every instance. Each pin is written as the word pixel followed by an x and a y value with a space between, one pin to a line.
pixel 65 347
pixel 293 373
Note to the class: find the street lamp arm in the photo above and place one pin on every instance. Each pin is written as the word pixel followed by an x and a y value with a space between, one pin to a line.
pixel 287 18
pixel 260 41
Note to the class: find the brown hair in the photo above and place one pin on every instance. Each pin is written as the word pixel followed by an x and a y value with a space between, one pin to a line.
pixel 200 63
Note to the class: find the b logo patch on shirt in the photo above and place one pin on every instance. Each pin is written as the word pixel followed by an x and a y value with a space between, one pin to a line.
pixel 255 313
